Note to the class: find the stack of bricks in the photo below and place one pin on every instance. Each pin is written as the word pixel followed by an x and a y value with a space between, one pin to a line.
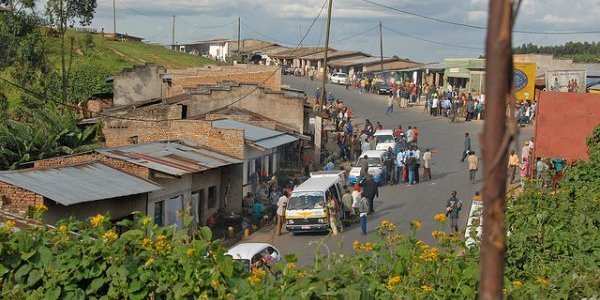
pixel 227 141
pixel 17 200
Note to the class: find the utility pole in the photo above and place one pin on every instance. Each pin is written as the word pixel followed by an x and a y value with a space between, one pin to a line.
pixel 323 92
pixel 173 34
pixel 114 19
pixel 381 48
pixel 239 34
pixel 300 27
pixel 495 144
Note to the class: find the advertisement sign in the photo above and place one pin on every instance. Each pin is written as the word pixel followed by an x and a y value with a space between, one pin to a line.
pixel 570 81
pixel 524 80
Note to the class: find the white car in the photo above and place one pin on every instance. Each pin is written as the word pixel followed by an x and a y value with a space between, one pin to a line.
pixel 385 139
pixel 250 254
pixel 375 167
pixel 339 78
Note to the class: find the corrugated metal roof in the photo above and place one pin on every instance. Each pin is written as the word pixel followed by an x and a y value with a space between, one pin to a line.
pixel 263 137
pixel 80 183
pixel 170 157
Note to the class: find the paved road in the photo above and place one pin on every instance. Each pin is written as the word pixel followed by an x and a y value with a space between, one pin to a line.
pixel 399 203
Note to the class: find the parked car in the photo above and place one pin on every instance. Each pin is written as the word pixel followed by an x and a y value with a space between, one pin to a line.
pixel 383 88
pixel 255 254
pixel 339 78
pixel 376 168
pixel 385 139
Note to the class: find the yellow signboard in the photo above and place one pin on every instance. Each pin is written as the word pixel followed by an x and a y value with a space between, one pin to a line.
pixel 524 80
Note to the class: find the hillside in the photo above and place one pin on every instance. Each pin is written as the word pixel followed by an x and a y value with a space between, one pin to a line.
pixel 95 58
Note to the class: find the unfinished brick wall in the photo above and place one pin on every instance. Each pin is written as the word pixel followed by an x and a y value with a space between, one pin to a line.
pixel 17 200
pixel 118 164
pixel 227 141
pixel 268 76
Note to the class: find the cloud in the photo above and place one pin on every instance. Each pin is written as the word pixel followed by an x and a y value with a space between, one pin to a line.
pixel 282 19
pixel 477 16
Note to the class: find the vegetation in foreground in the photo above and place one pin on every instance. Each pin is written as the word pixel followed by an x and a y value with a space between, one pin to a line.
pixel 553 252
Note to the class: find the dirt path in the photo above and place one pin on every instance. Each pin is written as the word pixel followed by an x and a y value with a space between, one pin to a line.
pixel 138 60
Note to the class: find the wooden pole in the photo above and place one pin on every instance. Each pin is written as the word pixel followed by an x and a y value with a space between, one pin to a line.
pixel 323 92
pixel 239 35
pixel 494 147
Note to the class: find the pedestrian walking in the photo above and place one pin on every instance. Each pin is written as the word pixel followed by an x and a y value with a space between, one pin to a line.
pixel 363 209
pixel 453 207
pixel 281 206
pixel 347 203
pixel 427 165
pixel 364 166
pixel 370 190
pixel 467 147
pixel 390 107
pixel 513 164
pixel 417 154
pixel 473 162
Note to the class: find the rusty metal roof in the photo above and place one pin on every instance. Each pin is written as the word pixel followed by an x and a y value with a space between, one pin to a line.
pixel 72 184
pixel 170 157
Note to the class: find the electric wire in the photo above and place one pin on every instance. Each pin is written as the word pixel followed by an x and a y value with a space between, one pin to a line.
pixel 430 41
pixel 471 25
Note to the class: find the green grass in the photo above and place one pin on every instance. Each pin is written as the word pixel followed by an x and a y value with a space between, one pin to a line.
pixel 109 56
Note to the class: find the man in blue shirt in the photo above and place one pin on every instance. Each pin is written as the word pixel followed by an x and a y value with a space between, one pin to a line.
pixel 329 166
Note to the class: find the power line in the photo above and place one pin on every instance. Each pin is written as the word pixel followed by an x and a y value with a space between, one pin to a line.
pixel 471 25
pixel 206 26
pixel 354 35
pixel 430 41
pixel 264 35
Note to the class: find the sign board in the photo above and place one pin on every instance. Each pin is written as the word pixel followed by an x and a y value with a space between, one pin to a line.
pixel 524 80
pixel 454 70
pixel 318 137
pixel 571 81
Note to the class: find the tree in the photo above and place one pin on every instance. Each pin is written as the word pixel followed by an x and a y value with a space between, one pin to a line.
pixel 64 14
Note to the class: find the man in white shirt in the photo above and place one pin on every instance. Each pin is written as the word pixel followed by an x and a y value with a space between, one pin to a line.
pixel 410 135
pixel 281 205
pixel 399 166
pixel 434 106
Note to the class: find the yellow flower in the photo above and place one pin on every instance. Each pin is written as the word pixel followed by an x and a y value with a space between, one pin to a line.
pixel 9 225
pixel 146 221
pixel 302 273
pixel 214 283
pixel 387 225
pixel 367 247
pixel 543 281
pixel 394 280
pixel 426 288
pixel 257 275
pixel 356 245
pixel 189 252
pixel 436 234
pixel 440 218
pixel 40 207
pixel 149 262
pixel 416 224
pixel 62 228
pixel 146 241
pixel 160 237
pixel 97 220
pixel 290 265
pixel 517 283
pixel 393 238
pixel 110 235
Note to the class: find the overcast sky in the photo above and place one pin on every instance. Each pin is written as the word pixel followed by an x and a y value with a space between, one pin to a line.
pixel 284 20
